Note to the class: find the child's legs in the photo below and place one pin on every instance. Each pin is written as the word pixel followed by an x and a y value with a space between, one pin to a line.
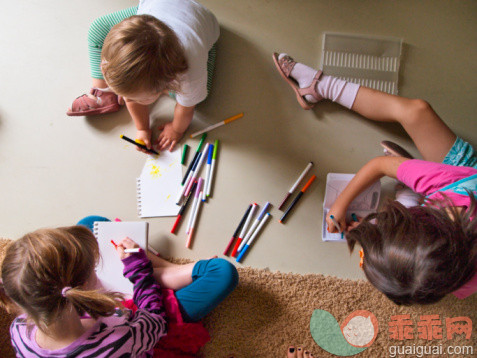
pixel 430 134
pixel 98 31
pixel 213 281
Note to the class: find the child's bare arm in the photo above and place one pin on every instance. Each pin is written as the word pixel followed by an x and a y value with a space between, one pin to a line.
pixel 372 171
pixel 140 116
pixel 172 132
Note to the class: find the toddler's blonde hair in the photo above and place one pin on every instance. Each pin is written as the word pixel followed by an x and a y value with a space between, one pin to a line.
pixel 38 266
pixel 142 53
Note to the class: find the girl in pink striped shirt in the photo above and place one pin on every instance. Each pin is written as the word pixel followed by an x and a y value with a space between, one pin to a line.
pixel 49 279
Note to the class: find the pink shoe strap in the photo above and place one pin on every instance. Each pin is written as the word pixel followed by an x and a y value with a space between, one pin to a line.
pixel 311 89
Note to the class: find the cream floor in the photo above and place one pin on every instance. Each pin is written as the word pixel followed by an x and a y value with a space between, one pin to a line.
pixel 55 169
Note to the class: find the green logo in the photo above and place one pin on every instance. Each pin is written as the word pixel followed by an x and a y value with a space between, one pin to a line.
pixel 357 332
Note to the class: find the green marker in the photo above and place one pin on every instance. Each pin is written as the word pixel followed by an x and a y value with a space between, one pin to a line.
pixel 201 143
pixel 184 153
pixel 214 157
pixel 196 157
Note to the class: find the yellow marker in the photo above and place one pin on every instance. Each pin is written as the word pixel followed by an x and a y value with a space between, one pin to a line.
pixel 139 143
pixel 225 121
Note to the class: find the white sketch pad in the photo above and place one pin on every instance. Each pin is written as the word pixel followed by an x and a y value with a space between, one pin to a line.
pixel 365 203
pixel 110 267
pixel 370 61
pixel 158 183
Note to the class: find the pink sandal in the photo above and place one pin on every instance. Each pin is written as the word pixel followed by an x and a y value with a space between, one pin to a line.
pixel 285 66
pixel 391 148
pixel 105 102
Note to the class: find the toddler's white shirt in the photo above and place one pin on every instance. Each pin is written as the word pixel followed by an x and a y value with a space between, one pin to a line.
pixel 197 30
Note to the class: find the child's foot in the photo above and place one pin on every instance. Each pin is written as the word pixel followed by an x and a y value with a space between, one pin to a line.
pixel 98 101
pixel 301 78
pixel 298 352
pixel 395 150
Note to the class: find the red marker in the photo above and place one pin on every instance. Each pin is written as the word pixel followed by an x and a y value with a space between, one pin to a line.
pixel 300 194
pixel 237 230
pixel 244 229
pixel 115 246
pixel 181 211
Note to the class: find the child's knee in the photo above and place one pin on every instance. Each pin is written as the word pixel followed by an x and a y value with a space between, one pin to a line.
pixel 417 109
pixel 227 273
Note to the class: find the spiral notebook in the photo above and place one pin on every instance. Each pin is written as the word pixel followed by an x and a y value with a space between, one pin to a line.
pixel 110 267
pixel 158 184
pixel 364 204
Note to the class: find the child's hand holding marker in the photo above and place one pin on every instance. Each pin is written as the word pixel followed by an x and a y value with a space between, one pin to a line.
pixel 144 137
pixel 336 221
pixel 126 247
pixel 140 145
pixel 340 225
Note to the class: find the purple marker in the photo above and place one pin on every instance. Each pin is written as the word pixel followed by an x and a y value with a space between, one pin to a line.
pixel 197 169
pixel 254 226
pixel 193 217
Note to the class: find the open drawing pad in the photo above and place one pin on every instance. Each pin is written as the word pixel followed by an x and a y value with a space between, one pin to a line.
pixel 157 185
pixel 110 267
pixel 366 203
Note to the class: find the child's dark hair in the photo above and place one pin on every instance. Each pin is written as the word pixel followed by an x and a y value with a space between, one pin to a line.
pixel 142 53
pixel 38 266
pixel 418 254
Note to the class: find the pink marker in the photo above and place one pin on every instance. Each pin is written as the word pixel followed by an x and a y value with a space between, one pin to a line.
pixel 193 218
pixel 197 170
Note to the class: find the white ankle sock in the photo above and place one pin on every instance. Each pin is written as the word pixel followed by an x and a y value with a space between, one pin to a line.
pixel 337 90
pixel 328 87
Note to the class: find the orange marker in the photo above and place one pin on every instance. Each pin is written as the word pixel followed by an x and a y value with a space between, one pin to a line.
pixel 300 194
pixel 213 126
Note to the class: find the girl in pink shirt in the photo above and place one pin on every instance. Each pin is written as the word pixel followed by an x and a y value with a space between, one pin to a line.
pixel 414 254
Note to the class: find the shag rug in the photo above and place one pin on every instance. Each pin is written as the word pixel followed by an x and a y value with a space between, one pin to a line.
pixel 271 310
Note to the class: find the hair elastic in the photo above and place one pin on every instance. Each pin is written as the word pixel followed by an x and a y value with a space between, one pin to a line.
pixel 64 290
pixel 361 257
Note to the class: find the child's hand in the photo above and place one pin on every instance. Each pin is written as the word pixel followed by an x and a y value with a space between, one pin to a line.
pixel 168 137
pixel 125 243
pixel 144 136
pixel 339 216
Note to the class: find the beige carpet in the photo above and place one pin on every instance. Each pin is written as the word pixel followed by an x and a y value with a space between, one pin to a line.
pixel 268 311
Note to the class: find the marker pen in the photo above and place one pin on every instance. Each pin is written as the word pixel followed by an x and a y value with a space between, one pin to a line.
pixel 254 226
pixel 208 169
pixel 245 248
pixel 244 229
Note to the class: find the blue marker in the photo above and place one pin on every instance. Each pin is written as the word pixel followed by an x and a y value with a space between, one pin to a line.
pixel 249 243
pixel 254 226
pixel 208 171
pixel 335 223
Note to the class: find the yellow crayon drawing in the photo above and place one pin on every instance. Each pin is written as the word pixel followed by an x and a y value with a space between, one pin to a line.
pixel 155 171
